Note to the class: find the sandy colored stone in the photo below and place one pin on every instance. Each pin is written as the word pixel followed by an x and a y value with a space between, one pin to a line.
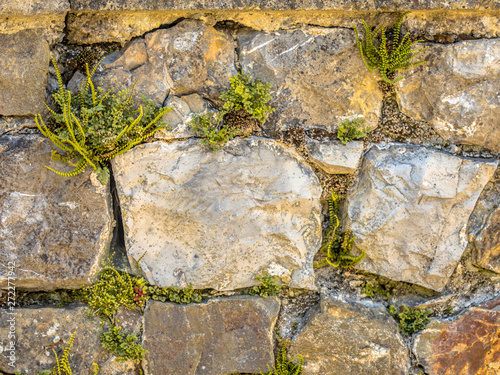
pixel 214 220
pixel 317 77
pixel 456 91
pixel 409 211
pixel 54 229
pixel 221 336
pixel 467 345
pixel 333 156
pixel 340 338
pixel 23 77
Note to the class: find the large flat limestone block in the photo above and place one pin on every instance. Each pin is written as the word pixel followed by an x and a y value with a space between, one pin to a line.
pixel 340 338
pixel 54 229
pixel 457 91
pixel 410 208
pixel 467 345
pixel 318 78
pixel 23 77
pixel 215 219
pixel 39 331
pixel 222 336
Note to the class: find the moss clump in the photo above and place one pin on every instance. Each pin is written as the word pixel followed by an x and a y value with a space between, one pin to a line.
pixel 350 130
pixel 124 346
pixel 410 320
pixel 269 285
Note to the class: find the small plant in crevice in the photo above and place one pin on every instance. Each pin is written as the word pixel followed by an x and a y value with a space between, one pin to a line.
pixel 285 366
pixel 410 320
pixel 172 294
pixel 388 57
pixel 210 127
pixel 124 345
pixel 92 126
pixel 269 285
pixel 338 246
pixel 243 95
pixel 371 291
pixel 350 130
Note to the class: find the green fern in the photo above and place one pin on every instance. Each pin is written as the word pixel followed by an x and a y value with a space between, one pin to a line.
pixel 388 59
pixel 124 346
pixel 210 127
pixel 269 285
pixel 284 366
pixel 94 125
pixel 338 246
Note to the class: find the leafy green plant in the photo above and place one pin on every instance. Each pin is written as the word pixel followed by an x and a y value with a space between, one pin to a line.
pixel 370 291
pixel 338 246
pixel 172 294
pixel 125 346
pixel 386 58
pixel 269 285
pixel 94 125
pixel 350 130
pixel 284 366
pixel 248 95
pixel 210 127
pixel 410 320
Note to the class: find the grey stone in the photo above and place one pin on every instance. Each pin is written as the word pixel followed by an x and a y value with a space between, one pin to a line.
pixel 456 91
pixel 23 77
pixel 333 156
pixel 484 226
pixel 220 336
pixel 409 211
pixel 467 344
pixel 33 7
pixel 54 229
pixel 178 119
pixel 39 331
pixel 317 77
pixel 351 339
pixel 214 220
pixel 190 57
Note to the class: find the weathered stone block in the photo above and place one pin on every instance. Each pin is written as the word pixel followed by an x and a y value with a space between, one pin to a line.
pixel 216 219
pixel 466 345
pixel 54 229
pixel 220 336
pixel 409 211
pixel 318 78
pixel 340 338
pixel 333 156
pixel 23 77
pixel 456 91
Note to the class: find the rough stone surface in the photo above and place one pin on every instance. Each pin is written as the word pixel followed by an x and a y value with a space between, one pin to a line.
pixel 333 156
pixel 409 211
pixel 340 338
pixel 317 77
pixel 484 225
pixel 53 228
pixel 187 58
pixel 33 7
pixel 216 219
pixel 279 4
pixel 23 77
pixel 178 119
pixel 467 345
pixel 457 92
pixel 38 331
pixel 221 336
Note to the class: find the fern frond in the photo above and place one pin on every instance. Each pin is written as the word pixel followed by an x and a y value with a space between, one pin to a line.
pixel 129 127
pixel 79 169
pixel 51 136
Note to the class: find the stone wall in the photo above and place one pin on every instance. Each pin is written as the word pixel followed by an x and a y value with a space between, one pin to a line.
pixel 420 193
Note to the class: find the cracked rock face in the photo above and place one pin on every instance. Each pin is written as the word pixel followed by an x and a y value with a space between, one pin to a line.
pixel 214 220
pixel 54 229
pixel 409 211
pixel 456 91
pixel 318 78
pixel 351 339
pixel 23 77
pixel 186 58
pixel 221 336
pixel 466 345
pixel 334 157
